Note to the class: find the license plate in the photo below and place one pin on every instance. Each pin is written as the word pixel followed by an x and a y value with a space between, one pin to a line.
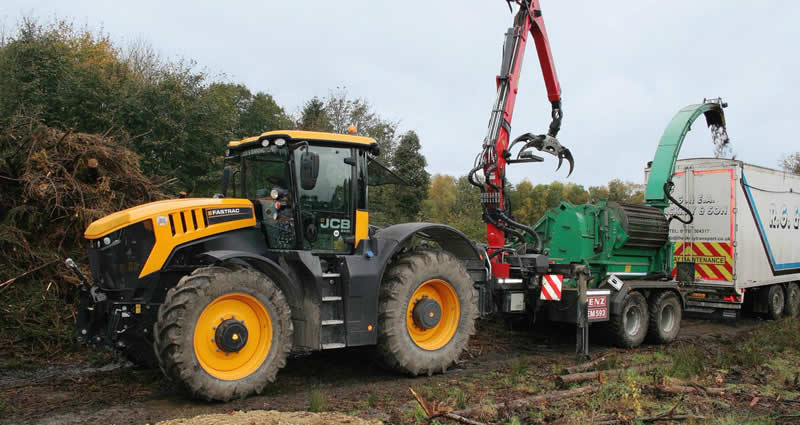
pixel 597 308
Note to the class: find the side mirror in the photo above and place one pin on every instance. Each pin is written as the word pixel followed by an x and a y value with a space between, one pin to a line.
pixel 309 169
pixel 226 178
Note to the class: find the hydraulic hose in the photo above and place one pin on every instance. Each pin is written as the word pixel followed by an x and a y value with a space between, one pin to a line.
pixel 668 192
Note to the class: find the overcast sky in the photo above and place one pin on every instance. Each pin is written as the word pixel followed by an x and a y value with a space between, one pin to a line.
pixel 625 67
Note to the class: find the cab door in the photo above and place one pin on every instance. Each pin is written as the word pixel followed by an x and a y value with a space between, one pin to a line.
pixel 326 210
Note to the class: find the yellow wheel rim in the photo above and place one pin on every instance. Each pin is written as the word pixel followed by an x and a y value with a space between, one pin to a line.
pixel 231 366
pixel 438 336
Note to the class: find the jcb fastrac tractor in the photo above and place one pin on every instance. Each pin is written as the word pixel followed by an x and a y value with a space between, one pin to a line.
pixel 225 288
pixel 220 290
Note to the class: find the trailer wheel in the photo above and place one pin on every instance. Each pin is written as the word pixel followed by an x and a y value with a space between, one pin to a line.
pixel 792 296
pixel 427 312
pixel 665 317
pixel 629 327
pixel 775 302
pixel 223 332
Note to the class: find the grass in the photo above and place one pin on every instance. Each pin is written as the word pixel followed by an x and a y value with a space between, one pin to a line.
pixel 372 400
pixel 774 337
pixel 317 400
pixel 519 366
pixel 688 361
pixel 460 397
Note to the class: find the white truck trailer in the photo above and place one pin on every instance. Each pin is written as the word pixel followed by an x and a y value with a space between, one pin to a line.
pixel 743 243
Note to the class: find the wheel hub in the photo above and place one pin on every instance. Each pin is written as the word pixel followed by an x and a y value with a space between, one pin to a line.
pixel 231 335
pixel 427 313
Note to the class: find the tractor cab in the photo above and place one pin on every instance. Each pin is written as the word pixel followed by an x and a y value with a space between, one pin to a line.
pixel 309 189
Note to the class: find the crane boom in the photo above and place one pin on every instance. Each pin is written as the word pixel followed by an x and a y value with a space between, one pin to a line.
pixel 496 153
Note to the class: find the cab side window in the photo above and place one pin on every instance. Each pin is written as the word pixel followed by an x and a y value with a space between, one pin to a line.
pixel 327 208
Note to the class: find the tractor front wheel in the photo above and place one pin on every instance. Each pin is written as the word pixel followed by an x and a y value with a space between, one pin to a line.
pixel 223 332
pixel 427 312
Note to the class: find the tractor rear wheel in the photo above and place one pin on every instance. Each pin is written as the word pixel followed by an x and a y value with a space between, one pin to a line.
pixel 629 327
pixel 427 312
pixel 792 296
pixel 223 332
pixel 665 317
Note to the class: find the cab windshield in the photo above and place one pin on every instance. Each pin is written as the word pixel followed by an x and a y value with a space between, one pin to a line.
pixel 264 169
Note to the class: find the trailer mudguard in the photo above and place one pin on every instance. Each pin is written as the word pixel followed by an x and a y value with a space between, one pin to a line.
pixel 617 298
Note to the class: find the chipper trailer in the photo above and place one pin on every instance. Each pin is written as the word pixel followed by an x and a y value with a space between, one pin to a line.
pixel 218 291
pixel 712 233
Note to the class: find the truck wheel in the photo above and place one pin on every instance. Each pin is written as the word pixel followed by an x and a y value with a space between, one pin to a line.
pixel 665 317
pixel 223 332
pixel 427 312
pixel 629 327
pixel 775 302
pixel 792 297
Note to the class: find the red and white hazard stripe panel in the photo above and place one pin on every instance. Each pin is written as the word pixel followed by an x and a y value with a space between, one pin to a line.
pixel 551 287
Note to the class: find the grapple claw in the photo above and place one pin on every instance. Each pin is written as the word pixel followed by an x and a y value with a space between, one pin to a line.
pixel 568 155
pixel 546 143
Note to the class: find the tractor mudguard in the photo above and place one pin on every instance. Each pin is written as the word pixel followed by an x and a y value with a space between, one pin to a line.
pixel 449 238
pixel 262 264
pixel 372 256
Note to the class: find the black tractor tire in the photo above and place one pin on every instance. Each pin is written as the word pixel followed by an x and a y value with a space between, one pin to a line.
pixel 792 297
pixel 775 302
pixel 179 315
pixel 665 317
pixel 410 272
pixel 629 328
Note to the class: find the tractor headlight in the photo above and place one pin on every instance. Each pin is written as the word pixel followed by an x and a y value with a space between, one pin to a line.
pixel 280 142
pixel 274 194
pixel 265 143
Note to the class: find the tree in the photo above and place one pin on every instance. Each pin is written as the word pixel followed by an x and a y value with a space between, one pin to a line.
pixel 410 163
pixel 179 118
pixel 441 202
pixel 313 117
pixel 791 163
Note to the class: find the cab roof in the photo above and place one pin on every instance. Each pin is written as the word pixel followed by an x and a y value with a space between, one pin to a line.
pixel 299 135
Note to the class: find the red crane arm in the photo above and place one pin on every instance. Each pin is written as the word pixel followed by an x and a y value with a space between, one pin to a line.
pixel 496 149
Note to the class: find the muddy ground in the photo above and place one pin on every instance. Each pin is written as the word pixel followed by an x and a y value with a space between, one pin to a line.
pixel 501 365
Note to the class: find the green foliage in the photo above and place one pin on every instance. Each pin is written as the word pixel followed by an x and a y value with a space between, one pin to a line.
pixel 313 116
pixel 688 361
pixel 387 204
pixel 180 120
pixel 457 203
pixel 372 399
pixel 317 400
pixel 409 163
pixel 775 337
pixel 460 397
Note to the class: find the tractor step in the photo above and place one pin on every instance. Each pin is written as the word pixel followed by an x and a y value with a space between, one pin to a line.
pixel 330 275
pixel 332 298
pixel 333 345
pixel 332 322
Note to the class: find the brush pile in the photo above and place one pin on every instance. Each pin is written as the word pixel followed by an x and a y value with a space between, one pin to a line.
pixel 52 185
